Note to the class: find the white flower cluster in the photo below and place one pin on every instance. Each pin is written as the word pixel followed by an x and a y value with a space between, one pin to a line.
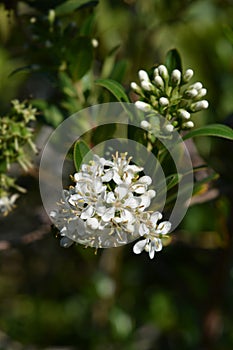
pixel 106 207
pixel 170 96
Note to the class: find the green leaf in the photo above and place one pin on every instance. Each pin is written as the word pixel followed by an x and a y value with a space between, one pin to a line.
pixel 218 130
pixel 115 88
pixel 81 61
pixel 81 149
pixel 173 60
pixel 72 5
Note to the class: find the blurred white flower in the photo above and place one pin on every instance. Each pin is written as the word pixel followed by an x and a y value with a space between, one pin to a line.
pixel 7 203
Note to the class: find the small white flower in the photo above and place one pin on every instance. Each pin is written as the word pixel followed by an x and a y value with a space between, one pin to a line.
pixel 202 92
pixel 143 106
pixel 152 232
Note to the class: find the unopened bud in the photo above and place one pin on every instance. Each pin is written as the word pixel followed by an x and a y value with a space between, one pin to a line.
pixel 197 86
pixel 202 93
pixel 188 75
pixel 184 114
pixel 145 124
pixel 143 75
pixel 146 85
pixel 163 101
pixel 188 125
pixel 191 93
pixel 169 127
pixel 198 106
pixel 175 77
pixel 134 86
pixel 163 71
pixel 159 82
pixel 143 106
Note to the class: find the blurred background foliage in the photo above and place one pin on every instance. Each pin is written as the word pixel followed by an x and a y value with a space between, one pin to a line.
pixel 51 53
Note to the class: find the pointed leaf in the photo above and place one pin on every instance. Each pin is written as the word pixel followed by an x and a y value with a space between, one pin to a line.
pixel 173 60
pixel 115 88
pixel 72 5
pixel 81 149
pixel 218 130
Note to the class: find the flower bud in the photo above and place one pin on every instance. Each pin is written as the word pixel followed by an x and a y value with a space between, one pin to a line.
pixel 175 77
pixel 202 93
pixel 183 114
pixel 146 85
pixel 135 87
pixel 163 101
pixel 198 106
pixel 188 75
pixel 159 82
pixel 145 124
pixel 143 75
pixel 196 86
pixel 169 127
pixel 143 106
pixel 163 71
pixel 188 125
pixel 191 93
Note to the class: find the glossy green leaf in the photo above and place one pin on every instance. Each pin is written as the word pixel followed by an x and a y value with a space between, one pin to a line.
pixel 81 150
pixel 115 88
pixel 72 5
pixel 173 60
pixel 218 130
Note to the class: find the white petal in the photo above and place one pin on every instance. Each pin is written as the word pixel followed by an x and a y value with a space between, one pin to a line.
pixel 87 212
pixel 117 178
pixel 155 217
pixel 132 202
pixel 121 190
pixel 110 198
pixel 151 251
pixel 157 244
pixel 139 188
pixel 163 228
pixel 107 176
pixel 109 214
pixel 145 180
pixel 126 215
pixel 93 223
pixel 98 186
pixel 145 202
pixel 143 229
pixel 139 246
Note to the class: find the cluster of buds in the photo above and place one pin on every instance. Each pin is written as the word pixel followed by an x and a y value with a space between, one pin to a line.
pixel 15 135
pixel 171 96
